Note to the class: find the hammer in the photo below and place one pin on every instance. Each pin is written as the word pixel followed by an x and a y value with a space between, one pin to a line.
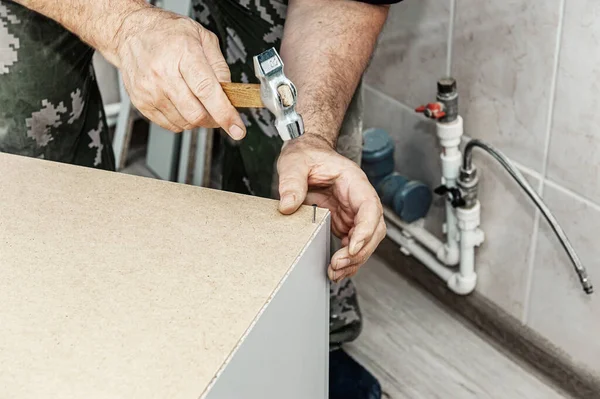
pixel 275 92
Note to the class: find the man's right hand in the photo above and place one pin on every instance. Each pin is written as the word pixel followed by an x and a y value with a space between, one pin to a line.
pixel 171 67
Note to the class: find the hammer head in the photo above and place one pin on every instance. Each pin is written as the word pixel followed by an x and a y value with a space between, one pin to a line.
pixel 279 94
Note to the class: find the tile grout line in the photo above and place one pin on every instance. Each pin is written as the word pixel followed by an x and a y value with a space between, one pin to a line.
pixel 545 160
pixel 571 193
pixel 394 101
pixel 449 46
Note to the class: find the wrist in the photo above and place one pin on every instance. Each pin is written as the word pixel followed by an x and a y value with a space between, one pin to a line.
pixel 316 139
pixel 126 23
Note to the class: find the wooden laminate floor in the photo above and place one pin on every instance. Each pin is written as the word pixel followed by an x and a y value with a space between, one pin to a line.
pixel 418 350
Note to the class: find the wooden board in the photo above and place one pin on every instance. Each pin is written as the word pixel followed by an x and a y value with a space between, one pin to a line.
pixel 114 286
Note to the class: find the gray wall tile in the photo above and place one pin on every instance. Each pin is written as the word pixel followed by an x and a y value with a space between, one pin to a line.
pixel 558 307
pixel 414 135
pixel 502 57
pixel 507 218
pixel 411 54
pixel 575 142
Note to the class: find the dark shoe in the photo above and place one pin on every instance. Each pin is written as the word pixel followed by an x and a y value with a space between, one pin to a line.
pixel 350 380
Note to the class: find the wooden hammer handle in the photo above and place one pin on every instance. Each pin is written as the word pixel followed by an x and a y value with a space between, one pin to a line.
pixel 243 95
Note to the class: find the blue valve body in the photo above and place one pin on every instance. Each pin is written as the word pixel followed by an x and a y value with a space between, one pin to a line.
pixel 378 155
pixel 410 200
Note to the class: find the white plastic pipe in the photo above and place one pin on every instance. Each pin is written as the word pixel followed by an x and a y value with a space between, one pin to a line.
pixel 461 227
pixel 450 136
pixel 424 237
pixel 409 246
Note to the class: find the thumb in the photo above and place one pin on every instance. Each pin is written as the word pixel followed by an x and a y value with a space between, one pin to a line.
pixel 293 183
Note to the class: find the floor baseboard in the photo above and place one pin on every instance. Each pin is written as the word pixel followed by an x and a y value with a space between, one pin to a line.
pixel 501 328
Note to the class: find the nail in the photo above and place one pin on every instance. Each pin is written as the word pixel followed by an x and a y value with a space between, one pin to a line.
pixel 354 249
pixel 341 263
pixel 236 132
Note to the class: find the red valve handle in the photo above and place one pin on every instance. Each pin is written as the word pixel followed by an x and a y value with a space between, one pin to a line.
pixel 432 110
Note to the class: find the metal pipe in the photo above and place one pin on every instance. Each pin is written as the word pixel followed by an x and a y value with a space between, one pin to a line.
pixel 514 172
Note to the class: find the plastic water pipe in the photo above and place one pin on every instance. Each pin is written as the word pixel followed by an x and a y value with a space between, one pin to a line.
pixel 462 223
pixel 425 238
pixel 410 247
pixel 422 245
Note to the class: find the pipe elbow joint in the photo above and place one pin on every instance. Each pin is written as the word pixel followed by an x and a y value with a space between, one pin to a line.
pixel 449 256
pixel 462 285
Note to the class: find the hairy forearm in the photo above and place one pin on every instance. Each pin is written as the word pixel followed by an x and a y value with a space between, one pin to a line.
pixel 96 22
pixel 326 47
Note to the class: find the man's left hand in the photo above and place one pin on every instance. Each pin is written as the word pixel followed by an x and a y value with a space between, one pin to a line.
pixel 311 172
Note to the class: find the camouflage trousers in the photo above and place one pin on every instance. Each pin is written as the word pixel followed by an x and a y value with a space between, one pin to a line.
pixel 51 107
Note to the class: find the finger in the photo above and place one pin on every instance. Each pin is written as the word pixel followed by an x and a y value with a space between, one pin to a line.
pixel 335 230
pixel 165 122
pixel 366 222
pixel 348 272
pixel 358 260
pixel 167 108
pixel 293 182
pixel 334 275
pixel 189 106
pixel 339 228
pixel 343 261
pixel 214 55
pixel 203 83
pixel 157 117
pixel 350 233
pixel 345 241
pixel 347 215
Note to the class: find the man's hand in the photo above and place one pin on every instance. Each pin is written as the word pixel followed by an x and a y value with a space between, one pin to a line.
pixel 172 67
pixel 311 172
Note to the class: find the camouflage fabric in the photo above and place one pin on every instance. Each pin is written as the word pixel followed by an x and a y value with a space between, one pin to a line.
pixel 51 108
pixel 50 105
pixel 249 167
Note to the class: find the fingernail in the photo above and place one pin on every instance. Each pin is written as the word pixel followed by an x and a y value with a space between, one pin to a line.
pixel 341 263
pixel 332 274
pixel 354 249
pixel 236 132
pixel 288 201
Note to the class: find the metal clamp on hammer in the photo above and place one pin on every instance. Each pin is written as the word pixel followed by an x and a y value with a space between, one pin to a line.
pixel 275 92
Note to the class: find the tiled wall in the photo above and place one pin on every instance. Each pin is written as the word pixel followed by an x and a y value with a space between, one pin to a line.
pixel 528 73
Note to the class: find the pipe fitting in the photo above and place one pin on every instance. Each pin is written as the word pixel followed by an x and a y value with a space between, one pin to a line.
pixel 449 256
pixel 448 96
pixel 462 285
pixel 450 134
pixel 468 182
